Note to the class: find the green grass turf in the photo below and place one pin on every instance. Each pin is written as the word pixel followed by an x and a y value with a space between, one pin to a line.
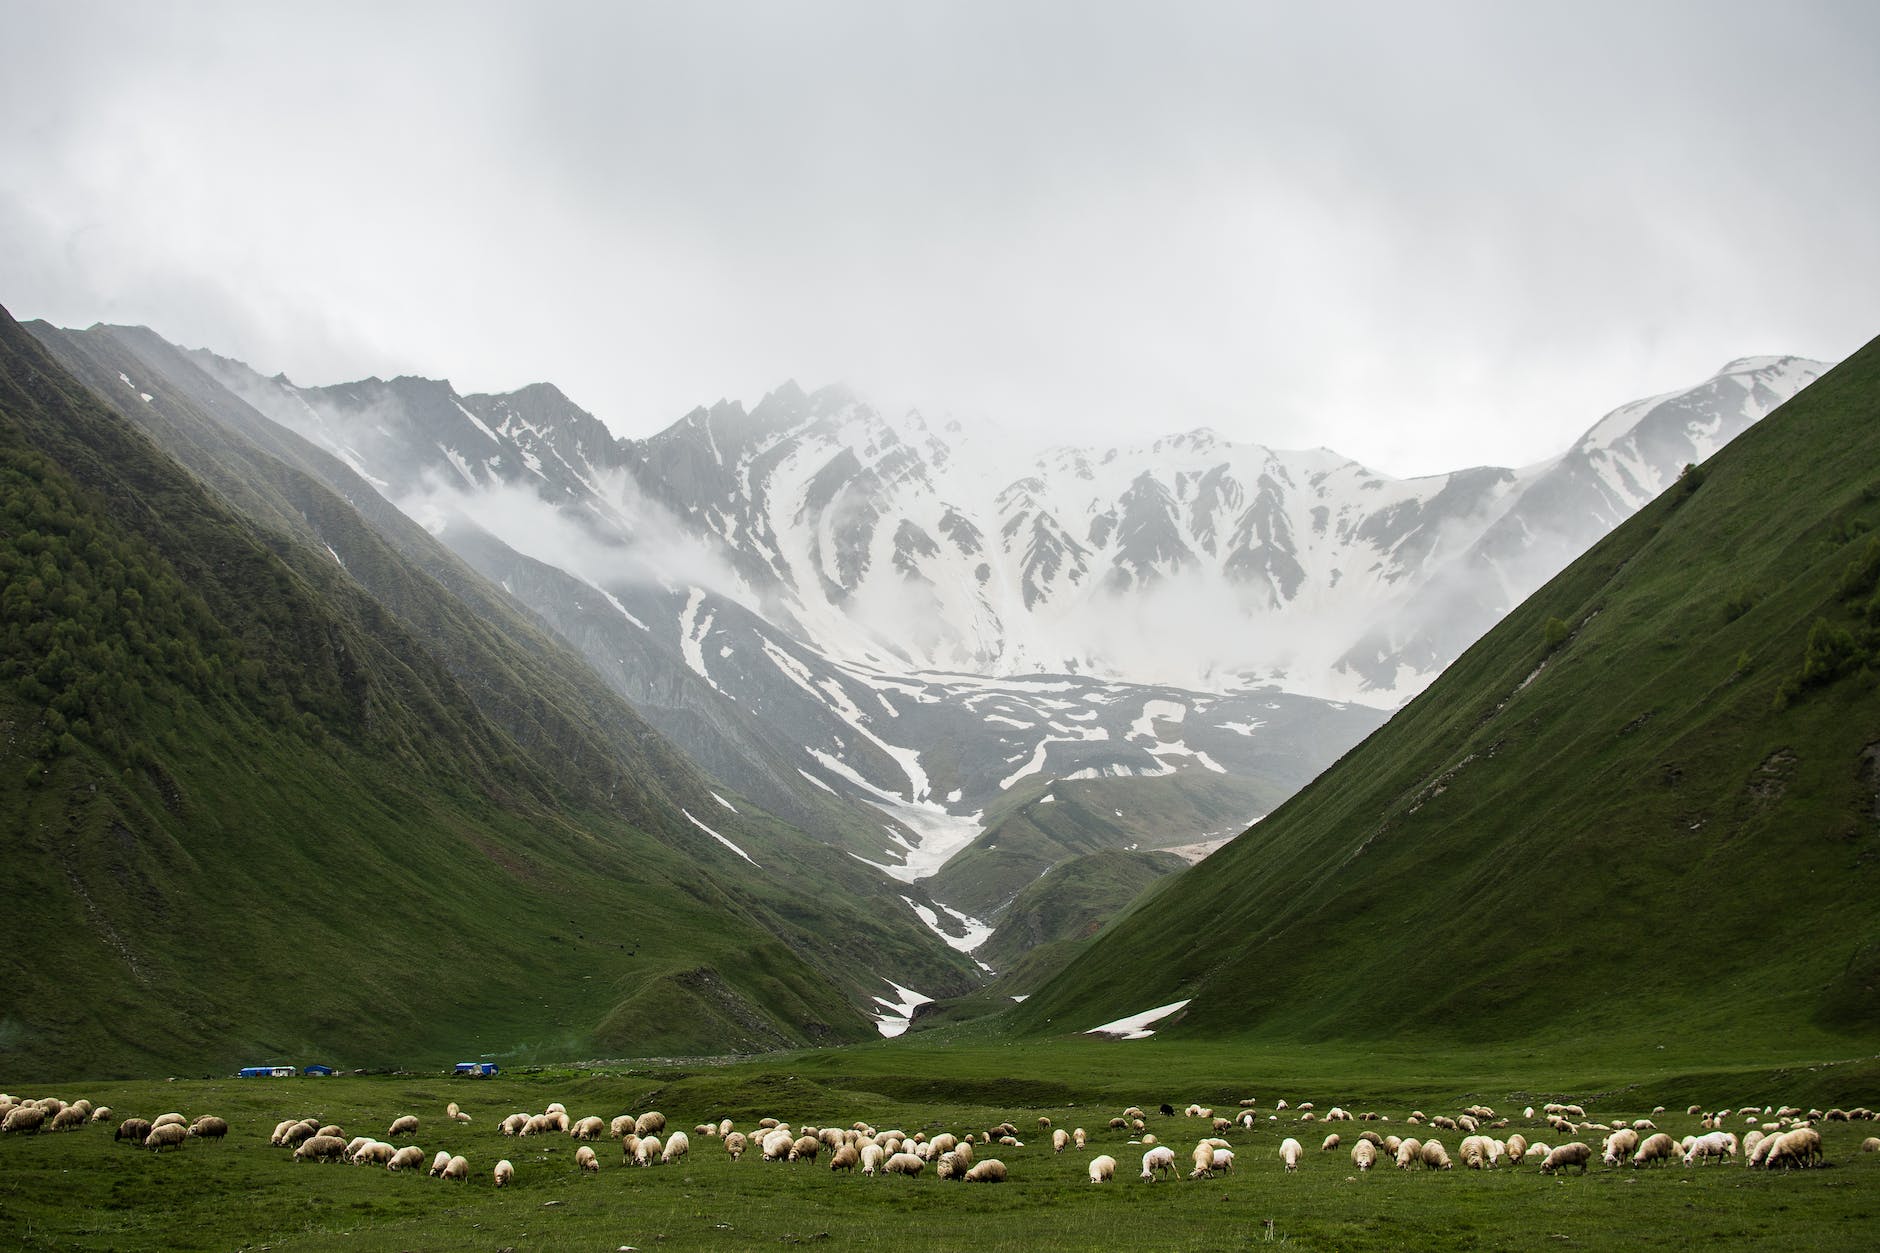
pixel 80 1190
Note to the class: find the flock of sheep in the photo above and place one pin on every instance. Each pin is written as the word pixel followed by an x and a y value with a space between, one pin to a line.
pixel 1771 1138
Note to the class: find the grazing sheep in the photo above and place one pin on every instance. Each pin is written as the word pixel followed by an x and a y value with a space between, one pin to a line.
pixel 1060 1140
pixel 24 1118
pixel 807 1147
pixel 990 1170
pixel 1573 1154
pixel 844 1158
pixel 169 1120
pixel 677 1146
pixel 514 1125
pixel 455 1114
pixel 312 1149
pixel 1870 1145
pixel 873 1155
pixel 589 1128
pixel 503 1173
pixel 101 1114
pixel 1619 1146
pixel 459 1168
pixel 1657 1147
pixel 1476 1152
pixel 651 1123
pixel 1444 1122
pixel 1800 1147
pixel 904 1164
pixel 1116 1124
pixel 777 1145
pixel 403 1127
pixel 67 1119
pixel 1363 1154
pixel 1203 1157
pixel 355 1144
pixel 1409 1153
pixel 1331 1142
pixel 209 1127
pixel 170 1135
pixel 735 1144
pixel 408 1158
pixel 1538 1150
pixel 647 1151
pixel 1435 1156
pixel 439 1162
pixel 623 1125
pixel 584 1159
pixel 948 1167
pixel 1517 1147
pixel 378 1153
pixel 1290 1151
pixel 1158 1160
pixel 1079 1137
pixel 1103 1169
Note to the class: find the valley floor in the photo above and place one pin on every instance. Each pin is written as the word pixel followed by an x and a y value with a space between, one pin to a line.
pixel 79 1189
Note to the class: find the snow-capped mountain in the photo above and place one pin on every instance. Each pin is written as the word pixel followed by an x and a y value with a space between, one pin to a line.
pixel 919 620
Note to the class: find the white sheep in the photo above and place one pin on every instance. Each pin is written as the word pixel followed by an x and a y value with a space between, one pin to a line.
pixel 1435 1156
pixel 456 1114
pixel 1060 1140
pixel 1409 1153
pixel 1619 1146
pixel 650 1123
pixel 873 1155
pixel 647 1151
pixel 1656 1147
pixel 1573 1154
pixel 735 1144
pixel 406 1126
pixel 1078 1137
pixel 439 1162
pixel 408 1158
pixel 677 1146
pixel 777 1144
pixel 1103 1168
pixel 1158 1160
pixel 990 1170
pixel 503 1173
pixel 458 1168
pixel 1331 1142
pixel 904 1164
pixel 584 1159
pixel 1290 1152
pixel 378 1153
pixel 1363 1154
pixel 589 1128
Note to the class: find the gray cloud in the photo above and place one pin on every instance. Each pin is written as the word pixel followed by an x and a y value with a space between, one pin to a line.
pixel 1423 235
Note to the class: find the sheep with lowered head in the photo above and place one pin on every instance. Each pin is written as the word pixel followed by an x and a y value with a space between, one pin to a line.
pixel 1363 1154
pixel 904 1164
pixel 1570 1154
pixel 209 1127
pixel 1655 1148
pixel 171 1136
pixel 458 1168
pixel 503 1173
pixel 1103 1168
pixel 988 1170
pixel 873 1157
pixel 408 1158
pixel 677 1146
pixel 589 1128
pixel 735 1144
pixel 403 1127
pixel 455 1114
pixel 312 1149
pixel 584 1159
pixel 1619 1146
pixel 1159 1160
pixel 1290 1152
pixel 1435 1156
pixel 845 1158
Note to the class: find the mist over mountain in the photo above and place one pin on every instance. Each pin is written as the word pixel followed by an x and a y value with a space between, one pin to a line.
pixel 897 634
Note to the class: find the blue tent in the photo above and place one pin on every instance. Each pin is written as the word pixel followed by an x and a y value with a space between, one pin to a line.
pixel 317 1069
pixel 481 1070
pixel 266 1072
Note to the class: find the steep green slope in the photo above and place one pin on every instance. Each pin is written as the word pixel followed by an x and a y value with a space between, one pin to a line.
pixel 1645 807
pixel 1071 901
pixel 248 810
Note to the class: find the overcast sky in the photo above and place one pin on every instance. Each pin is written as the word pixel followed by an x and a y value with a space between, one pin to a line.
pixel 1425 235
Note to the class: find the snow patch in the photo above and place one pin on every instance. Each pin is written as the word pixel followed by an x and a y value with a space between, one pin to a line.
pixel 895 1014
pixel 722 801
pixel 1136 1026
pixel 721 839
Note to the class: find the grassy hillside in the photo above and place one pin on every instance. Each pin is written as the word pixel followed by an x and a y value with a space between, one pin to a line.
pixel 1040 824
pixel 1644 810
pixel 249 810
pixel 1072 900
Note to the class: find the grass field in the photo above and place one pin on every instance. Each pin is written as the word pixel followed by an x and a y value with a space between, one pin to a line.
pixel 81 1190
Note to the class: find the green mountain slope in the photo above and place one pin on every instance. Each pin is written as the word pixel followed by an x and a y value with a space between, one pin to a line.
pixel 1644 810
pixel 249 808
